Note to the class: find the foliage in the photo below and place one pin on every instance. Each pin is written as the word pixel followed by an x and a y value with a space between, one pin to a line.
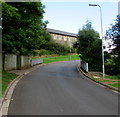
pixel 89 46
pixel 113 62
pixel 23 27
pixel 24 32
pixel 111 66
pixel 53 48
pixel 114 77
pixel 42 52
pixel 57 48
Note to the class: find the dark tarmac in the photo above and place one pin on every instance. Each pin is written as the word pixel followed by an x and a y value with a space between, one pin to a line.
pixel 58 89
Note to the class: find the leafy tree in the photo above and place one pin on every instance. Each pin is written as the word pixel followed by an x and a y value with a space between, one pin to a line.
pixel 57 48
pixel 89 46
pixel 113 34
pixel 23 28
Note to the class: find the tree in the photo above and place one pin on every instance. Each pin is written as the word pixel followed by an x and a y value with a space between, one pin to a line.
pixel 23 28
pixel 113 34
pixel 89 46
pixel 57 48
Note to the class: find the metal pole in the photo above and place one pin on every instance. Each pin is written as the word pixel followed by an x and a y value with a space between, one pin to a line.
pixel 103 67
pixel 70 48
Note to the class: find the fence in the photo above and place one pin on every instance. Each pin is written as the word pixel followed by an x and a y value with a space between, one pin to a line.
pixel 11 62
pixel 84 66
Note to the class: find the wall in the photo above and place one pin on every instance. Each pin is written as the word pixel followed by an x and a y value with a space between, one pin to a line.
pixel 36 61
pixel 10 62
pixel 84 66
pixel 64 39
pixel 23 62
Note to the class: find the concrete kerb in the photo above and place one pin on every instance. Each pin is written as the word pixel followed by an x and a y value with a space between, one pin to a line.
pixel 5 100
pixel 8 94
pixel 102 84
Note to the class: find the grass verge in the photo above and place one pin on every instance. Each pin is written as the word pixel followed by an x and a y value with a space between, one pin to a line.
pixel 114 77
pixel 6 79
pixel 113 81
pixel 61 58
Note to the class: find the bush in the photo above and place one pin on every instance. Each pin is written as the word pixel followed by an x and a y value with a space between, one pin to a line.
pixel 42 52
pixel 57 48
pixel 112 64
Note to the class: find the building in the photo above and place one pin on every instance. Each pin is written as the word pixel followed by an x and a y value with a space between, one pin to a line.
pixel 63 37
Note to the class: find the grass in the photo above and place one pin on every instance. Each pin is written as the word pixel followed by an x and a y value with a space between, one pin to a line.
pixel 61 58
pixel 115 77
pixel 6 79
pixel 113 81
pixel 45 56
pixel 117 85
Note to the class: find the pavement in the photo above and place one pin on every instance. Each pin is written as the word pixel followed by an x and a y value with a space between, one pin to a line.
pixel 58 89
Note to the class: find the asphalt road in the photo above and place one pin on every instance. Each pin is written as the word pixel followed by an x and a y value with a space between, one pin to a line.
pixel 58 89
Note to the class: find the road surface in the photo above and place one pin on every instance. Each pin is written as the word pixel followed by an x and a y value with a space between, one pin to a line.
pixel 58 89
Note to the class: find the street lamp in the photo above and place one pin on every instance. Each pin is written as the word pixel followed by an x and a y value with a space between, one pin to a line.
pixel 70 48
pixel 103 67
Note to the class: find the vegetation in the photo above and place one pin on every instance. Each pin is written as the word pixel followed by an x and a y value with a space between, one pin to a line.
pixel 23 27
pixel 112 61
pixel 113 81
pixel 114 77
pixel 61 58
pixel 117 85
pixel 89 46
pixel 6 79
pixel 24 31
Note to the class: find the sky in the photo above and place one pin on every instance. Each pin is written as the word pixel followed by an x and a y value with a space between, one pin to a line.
pixel 70 16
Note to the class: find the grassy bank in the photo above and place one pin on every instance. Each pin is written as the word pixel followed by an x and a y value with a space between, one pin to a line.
pixel 117 77
pixel 6 79
pixel 61 58
pixel 113 81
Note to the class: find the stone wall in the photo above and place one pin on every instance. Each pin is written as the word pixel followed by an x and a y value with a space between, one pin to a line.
pixel 64 39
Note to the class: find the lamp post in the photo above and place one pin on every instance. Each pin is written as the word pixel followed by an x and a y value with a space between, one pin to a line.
pixel 103 67
pixel 70 48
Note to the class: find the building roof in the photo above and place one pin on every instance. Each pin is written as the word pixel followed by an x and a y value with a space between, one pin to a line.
pixel 61 32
